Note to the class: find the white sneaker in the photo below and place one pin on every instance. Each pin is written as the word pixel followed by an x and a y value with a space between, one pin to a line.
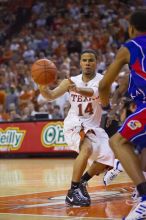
pixel 139 211
pixel 118 165
pixel 135 194
pixel 110 175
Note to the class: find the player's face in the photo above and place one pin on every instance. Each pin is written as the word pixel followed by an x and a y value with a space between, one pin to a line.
pixel 88 64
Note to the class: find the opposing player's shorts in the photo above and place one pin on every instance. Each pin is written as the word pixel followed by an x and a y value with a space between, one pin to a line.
pixel 101 152
pixel 134 128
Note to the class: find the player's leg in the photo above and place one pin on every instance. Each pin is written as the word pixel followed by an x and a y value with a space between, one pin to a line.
pixel 135 194
pixel 102 155
pixel 112 173
pixel 142 157
pixel 75 196
pixel 124 151
pixel 114 166
pixel 95 169
pixel 100 150
pixel 81 160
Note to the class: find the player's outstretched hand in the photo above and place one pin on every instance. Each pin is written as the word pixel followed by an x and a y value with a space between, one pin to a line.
pixel 44 90
pixel 42 87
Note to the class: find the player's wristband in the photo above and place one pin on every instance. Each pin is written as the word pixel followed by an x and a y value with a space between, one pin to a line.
pixel 106 108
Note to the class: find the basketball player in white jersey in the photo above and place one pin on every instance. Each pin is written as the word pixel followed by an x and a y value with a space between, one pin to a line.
pixel 81 126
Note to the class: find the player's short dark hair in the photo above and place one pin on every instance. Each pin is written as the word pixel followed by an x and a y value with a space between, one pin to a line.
pixel 138 20
pixel 89 51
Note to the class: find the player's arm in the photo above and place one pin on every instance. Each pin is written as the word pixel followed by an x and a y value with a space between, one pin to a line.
pixel 88 92
pixel 122 58
pixel 55 93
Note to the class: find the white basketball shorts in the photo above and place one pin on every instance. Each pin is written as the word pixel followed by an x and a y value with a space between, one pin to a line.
pixel 101 152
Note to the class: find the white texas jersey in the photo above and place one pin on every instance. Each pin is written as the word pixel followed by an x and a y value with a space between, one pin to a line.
pixel 85 111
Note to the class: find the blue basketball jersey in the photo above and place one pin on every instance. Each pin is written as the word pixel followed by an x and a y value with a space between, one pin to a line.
pixel 137 65
pixel 134 127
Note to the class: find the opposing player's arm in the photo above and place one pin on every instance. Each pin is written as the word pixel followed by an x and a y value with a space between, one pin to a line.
pixel 122 58
pixel 55 93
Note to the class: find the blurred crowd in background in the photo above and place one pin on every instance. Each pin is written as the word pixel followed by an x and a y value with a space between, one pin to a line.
pixel 59 31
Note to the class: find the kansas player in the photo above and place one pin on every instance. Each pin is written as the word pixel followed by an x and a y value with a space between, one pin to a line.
pixel 133 131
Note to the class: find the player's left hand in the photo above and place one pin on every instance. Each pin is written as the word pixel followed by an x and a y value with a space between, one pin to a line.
pixel 73 87
pixel 42 87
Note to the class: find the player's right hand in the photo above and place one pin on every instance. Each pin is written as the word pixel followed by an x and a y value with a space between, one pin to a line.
pixel 42 87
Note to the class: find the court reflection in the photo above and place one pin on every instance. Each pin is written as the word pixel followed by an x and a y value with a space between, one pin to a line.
pixel 111 204
pixel 11 177
pixel 38 187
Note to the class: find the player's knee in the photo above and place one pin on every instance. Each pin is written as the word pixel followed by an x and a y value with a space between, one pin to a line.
pixel 86 151
pixel 115 141
pixel 112 142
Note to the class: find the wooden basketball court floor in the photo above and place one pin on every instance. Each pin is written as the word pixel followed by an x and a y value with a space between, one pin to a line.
pixel 35 189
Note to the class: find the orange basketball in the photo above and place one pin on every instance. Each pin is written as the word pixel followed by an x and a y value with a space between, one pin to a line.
pixel 44 72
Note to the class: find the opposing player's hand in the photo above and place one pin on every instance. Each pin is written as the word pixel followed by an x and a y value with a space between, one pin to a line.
pixel 112 116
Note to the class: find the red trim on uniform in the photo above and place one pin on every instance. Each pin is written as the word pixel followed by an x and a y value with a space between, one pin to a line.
pixel 134 125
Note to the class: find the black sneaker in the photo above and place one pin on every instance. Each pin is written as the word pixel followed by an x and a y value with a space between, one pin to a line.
pixel 83 188
pixel 76 198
